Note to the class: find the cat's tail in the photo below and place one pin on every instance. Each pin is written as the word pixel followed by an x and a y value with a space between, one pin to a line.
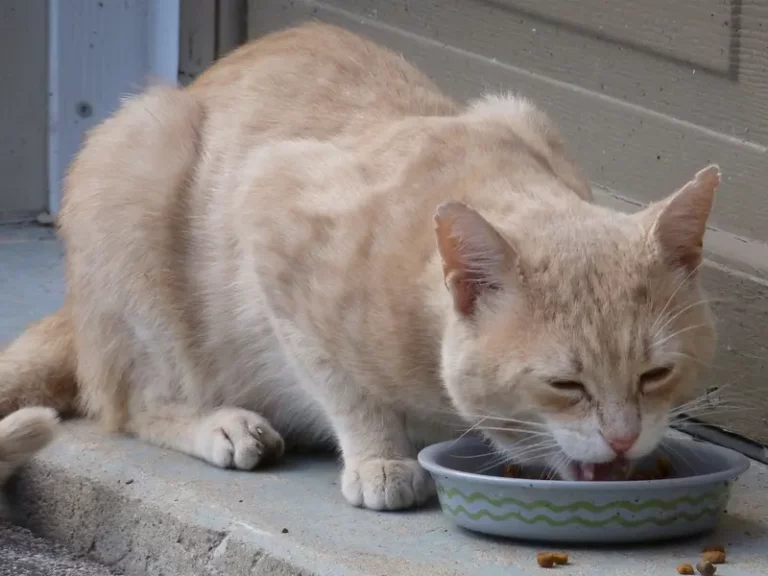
pixel 22 434
pixel 38 368
pixel 37 379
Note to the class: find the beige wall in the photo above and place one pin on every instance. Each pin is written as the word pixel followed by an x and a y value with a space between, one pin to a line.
pixel 646 95
pixel 23 108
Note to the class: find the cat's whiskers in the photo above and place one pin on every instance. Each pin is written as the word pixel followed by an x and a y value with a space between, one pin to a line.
pixel 566 462
pixel 697 417
pixel 500 459
pixel 678 313
pixel 545 453
pixel 706 403
pixel 728 409
pixel 471 428
pixel 523 447
pixel 715 400
pixel 658 343
pixel 531 450
pixel 552 470
pixel 471 456
pixel 677 454
pixel 699 412
pixel 705 399
pixel 674 293
pixel 536 453
pixel 479 426
pixel 693 359
pixel 513 420
pixel 518 430
pixel 753 357
pixel 454 412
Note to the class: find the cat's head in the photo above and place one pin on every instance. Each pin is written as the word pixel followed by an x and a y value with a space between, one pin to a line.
pixel 587 322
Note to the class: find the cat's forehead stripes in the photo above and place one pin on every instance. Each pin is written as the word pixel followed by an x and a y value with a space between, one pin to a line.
pixel 602 309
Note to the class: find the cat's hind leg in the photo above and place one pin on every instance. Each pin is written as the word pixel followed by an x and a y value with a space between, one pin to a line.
pixel 225 437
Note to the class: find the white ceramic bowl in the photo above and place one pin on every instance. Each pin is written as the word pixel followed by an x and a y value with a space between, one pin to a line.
pixel 688 503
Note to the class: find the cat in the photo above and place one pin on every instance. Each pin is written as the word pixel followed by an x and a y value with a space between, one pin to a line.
pixel 312 245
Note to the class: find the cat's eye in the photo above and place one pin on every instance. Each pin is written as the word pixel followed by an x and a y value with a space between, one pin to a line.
pixel 569 386
pixel 654 376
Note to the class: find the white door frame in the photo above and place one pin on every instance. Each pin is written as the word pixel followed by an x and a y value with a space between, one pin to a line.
pixel 100 51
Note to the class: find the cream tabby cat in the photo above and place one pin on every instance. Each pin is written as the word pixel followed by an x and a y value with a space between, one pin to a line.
pixel 312 244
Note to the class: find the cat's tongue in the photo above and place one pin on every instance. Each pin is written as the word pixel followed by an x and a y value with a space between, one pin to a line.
pixel 605 471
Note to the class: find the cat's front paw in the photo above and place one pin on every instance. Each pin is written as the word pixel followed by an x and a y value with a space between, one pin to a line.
pixel 237 438
pixel 386 484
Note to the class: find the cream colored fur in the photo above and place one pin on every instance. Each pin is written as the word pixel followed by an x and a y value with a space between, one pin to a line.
pixel 312 245
pixel 22 434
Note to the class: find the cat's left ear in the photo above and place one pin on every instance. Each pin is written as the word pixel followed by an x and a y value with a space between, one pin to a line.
pixel 678 223
pixel 476 258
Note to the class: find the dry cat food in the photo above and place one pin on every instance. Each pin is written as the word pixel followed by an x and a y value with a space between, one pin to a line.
pixel 714 556
pixel 660 471
pixel 561 558
pixel 710 555
pixel 545 559
pixel 514 471
pixel 550 559
pixel 706 568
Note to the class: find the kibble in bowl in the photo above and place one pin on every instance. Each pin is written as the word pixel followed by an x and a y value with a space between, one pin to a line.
pixel 661 470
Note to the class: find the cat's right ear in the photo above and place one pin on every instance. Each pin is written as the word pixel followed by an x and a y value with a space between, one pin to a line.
pixel 476 258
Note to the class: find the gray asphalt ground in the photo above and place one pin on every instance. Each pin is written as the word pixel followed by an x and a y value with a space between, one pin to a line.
pixel 24 554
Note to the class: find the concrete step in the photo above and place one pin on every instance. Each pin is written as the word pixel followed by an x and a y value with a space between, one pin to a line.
pixel 145 511
pixel 24 554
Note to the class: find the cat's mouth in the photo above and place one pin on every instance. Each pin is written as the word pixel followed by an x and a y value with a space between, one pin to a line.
pixel 618 469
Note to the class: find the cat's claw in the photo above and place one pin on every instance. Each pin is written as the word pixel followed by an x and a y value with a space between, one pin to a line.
pixel 236 438
pixel 386 484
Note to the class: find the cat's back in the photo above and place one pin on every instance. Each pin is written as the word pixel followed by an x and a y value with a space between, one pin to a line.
pixel 316 81
pixel 312 130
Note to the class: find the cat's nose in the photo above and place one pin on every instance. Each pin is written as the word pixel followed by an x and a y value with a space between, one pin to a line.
pixel 621 444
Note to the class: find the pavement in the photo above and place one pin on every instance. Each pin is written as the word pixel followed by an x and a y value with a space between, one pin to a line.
pixel 145 511
pixel 24 554
pixel 141 510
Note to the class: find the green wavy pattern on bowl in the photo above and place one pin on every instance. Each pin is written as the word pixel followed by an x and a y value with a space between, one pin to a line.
pixel 712 497
pixel 664 521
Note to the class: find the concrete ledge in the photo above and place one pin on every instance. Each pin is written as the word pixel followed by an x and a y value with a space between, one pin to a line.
pixel 142 510
pixel 24 554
